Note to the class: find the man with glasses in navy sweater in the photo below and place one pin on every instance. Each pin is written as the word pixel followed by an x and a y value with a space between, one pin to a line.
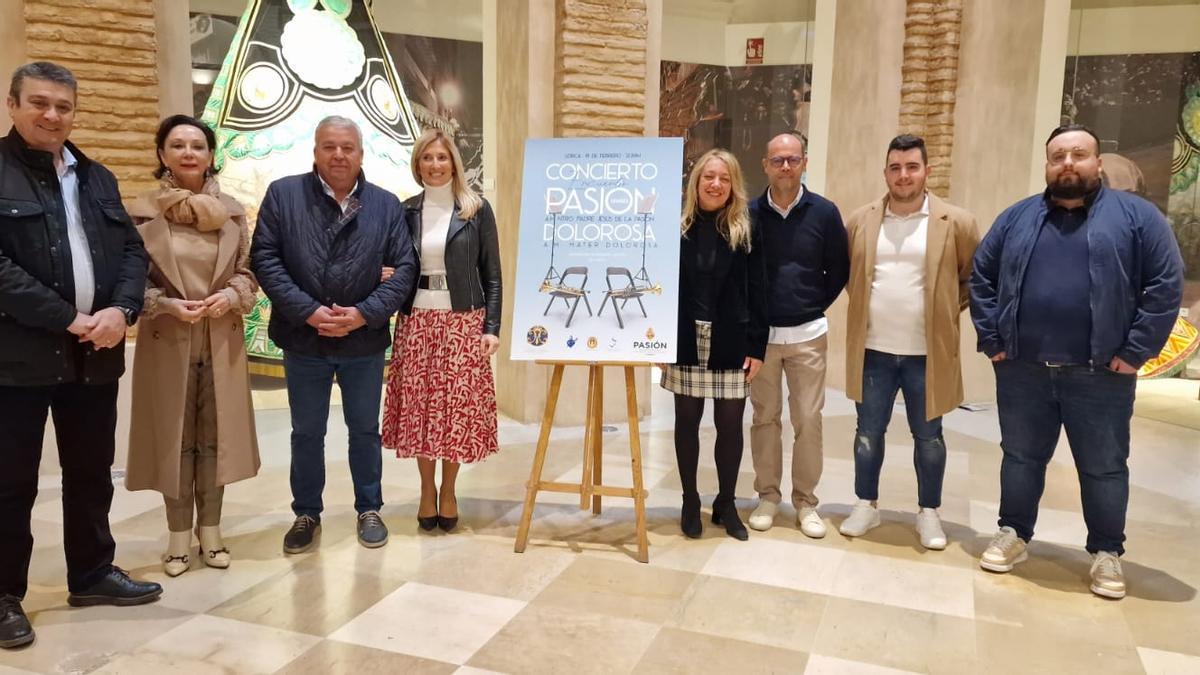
pixel 808 262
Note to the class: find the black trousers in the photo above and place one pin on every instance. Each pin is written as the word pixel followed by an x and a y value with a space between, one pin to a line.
pixel 85 422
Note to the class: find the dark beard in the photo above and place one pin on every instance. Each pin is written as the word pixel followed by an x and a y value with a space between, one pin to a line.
pixel 1077 189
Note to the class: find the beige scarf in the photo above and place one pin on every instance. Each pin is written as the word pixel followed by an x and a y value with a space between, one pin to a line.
pixel 203 211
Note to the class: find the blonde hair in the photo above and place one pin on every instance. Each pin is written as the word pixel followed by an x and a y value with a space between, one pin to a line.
pixel 468 202
pixel 733 221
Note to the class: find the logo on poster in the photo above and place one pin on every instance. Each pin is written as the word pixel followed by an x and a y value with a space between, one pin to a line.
pixel 537 336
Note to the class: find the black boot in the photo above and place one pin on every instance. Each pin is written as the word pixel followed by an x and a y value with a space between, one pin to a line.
pixel 689 518
pixel 725 513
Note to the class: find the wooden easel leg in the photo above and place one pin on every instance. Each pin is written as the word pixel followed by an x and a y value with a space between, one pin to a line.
pixel 589 437
pixel 635 460
pixel 598 439
pixel 539 460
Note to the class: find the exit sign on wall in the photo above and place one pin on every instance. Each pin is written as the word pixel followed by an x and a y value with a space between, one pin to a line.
pixel 754 51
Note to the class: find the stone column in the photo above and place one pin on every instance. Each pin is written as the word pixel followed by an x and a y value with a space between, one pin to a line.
pixel 110 45
pixel 859 49
pixel 565 68
pixel 1010 84
pixel 12 48
pixel 521 35
pixel 930 77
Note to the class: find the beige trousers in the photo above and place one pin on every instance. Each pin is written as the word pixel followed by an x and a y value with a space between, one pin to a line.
pixel 803 364
pixel 198 455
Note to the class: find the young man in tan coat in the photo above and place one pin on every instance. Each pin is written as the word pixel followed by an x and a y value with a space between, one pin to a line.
pixel 910 261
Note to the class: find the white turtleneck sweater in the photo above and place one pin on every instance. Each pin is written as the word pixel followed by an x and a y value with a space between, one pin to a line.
pixel 435 226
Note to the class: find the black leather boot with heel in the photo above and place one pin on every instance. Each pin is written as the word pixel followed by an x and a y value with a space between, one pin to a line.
pixel 725 513
pixel 689 518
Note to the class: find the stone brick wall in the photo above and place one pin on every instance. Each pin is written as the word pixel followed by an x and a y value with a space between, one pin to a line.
pixel 110 46
pixel 600 77
pixel 932 31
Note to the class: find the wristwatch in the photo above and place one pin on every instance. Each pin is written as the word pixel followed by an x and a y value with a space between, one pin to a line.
pixel 131 316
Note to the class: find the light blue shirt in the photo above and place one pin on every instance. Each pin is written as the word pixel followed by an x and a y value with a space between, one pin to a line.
pixel 81 252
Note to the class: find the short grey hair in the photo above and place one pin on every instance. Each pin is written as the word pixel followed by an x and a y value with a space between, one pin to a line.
pixel 41 70
pixel 341 123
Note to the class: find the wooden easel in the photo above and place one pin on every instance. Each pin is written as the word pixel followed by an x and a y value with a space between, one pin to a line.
pixel 589 489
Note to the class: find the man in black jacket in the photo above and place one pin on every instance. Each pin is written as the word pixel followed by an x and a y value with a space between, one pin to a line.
pixel 320 246
pixel 72 276
pixel 808 263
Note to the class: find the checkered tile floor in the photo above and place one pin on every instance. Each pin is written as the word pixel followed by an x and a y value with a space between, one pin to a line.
pixel 576 601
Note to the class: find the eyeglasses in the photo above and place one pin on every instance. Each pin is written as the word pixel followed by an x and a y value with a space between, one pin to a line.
pixel 778 162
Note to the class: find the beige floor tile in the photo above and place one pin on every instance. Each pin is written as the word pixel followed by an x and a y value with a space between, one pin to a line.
pixel 1168 663
pixel 799 566
pixel 904 583
pixel 311 598
pixel 554 640
pixel 748 612
pixel 203 588
pixel 828 665
pixel 618 589
pixel 1053 525
pixel 1058 603
pixel 1158 616
pixel 488 565
pixel 1053 650
pixel 235 645
pixel 430 622
pixel 680 651
pixel 81 640
pixel 469 670
pixel 153 663
pixel 907 639
pixel 8 670
pixel 340 658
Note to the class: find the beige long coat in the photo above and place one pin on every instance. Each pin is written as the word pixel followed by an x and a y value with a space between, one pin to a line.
pixel 949 248
pixel 161 359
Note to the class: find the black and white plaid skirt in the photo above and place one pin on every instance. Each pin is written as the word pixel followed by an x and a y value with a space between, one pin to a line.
pixel 701 382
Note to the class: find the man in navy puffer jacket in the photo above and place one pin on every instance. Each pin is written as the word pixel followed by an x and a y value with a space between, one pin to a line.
pixel 320 245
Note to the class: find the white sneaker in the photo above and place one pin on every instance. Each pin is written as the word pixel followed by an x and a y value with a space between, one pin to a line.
pixel 929 527
pixel 763 516
pixel 863 518
pixel 810 522
pixel 1107 579
pixel 1006 550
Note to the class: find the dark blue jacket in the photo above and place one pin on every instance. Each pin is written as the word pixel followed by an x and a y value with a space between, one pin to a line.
pixel 1135 268
pixel 304 260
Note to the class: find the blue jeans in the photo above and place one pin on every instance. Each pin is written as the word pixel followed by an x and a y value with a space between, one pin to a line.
pixel 309 383
pixel 1094 405
pixel 884 375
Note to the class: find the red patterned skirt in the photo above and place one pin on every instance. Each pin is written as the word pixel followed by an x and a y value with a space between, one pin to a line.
pixel 441 397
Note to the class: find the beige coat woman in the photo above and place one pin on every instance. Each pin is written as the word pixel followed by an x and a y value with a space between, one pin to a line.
pixel 949 248
pixel 163 346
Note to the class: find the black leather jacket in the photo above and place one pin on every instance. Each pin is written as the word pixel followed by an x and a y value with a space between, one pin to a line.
pixel 472 261
pixel 37 282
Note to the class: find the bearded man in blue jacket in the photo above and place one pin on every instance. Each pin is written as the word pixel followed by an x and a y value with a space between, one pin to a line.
pixel 1072 291
pixel 320 245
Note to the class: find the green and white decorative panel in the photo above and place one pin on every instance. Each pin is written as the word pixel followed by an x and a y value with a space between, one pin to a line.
pixel 291 63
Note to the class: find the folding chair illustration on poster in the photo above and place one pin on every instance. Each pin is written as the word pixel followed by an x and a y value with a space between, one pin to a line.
pixel 569 294
pixel 631 291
